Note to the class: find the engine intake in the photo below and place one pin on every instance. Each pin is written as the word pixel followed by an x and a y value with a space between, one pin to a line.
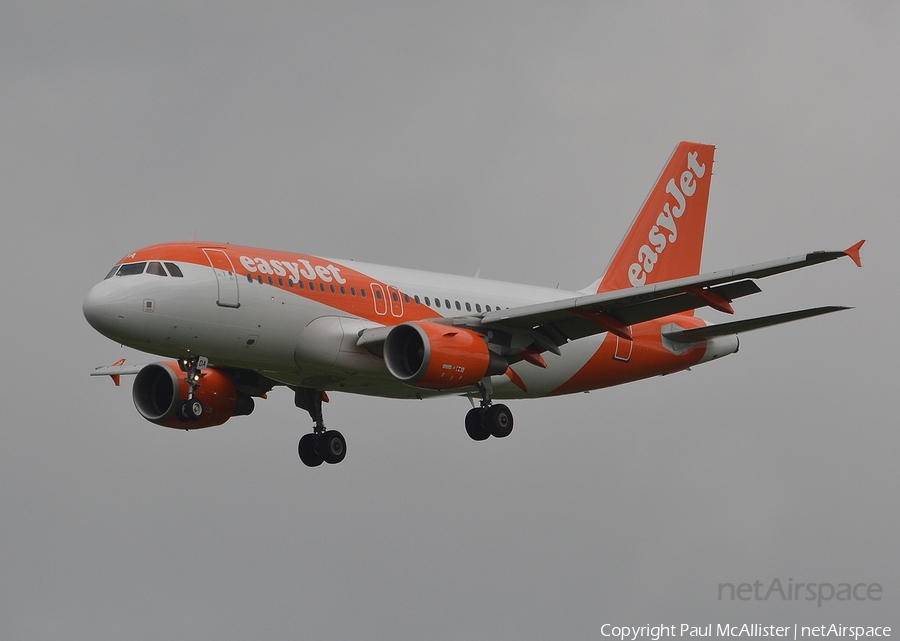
pixel 439 357
pixel 160 387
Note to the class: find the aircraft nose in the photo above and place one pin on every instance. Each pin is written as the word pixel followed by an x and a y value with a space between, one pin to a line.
pixel 103 307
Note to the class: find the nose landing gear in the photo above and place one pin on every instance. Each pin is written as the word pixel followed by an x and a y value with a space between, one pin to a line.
pixel 191 409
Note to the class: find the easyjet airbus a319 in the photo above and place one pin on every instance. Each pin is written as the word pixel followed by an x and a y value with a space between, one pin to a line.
pixel 238 321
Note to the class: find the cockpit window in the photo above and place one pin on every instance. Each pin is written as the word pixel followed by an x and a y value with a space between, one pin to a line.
pixel 131 269
pixel 156 269
pixel 112 272
pixel 174 270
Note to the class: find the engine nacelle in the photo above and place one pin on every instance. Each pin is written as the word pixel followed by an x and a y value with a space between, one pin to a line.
pixel 160 387
pixel 439 357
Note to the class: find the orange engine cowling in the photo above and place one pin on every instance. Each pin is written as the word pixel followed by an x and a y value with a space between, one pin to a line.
pixel 439 357
pixel 160 387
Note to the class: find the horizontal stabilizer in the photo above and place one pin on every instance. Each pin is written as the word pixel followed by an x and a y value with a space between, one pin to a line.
pixel 736 327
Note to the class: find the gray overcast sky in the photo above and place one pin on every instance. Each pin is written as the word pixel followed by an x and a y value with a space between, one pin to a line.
pixel 519 138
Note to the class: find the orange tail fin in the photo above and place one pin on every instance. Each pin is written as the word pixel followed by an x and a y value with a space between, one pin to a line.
pixel 665 240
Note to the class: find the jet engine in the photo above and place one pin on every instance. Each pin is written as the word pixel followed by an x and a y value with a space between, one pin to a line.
pixel 439 357
pixel 160 388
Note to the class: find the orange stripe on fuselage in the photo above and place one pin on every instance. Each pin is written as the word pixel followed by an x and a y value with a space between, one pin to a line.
pixel 280 266
pixel 648 357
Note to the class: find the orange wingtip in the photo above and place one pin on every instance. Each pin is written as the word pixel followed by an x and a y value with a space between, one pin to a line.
pixel 853 252
pixel 116 378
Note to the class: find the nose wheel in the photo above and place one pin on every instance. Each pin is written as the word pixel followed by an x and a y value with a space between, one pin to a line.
pixel 190 410
pixel 322 446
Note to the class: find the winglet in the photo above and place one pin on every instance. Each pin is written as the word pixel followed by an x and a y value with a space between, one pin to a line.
pixel 853 252
pixel 116 378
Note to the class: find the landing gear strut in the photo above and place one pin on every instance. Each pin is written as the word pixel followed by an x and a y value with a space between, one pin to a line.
pixel 191 409
pixel 488 419
pixel 322 446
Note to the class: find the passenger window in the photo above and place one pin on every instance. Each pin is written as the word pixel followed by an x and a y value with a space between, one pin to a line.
pixel 447 303
pixel 175 270
pixel 300 284
pixel 457 306
pixel 478 307
pixel 394 297
pixel 378 295
pixel 281 282
pixel 353 291
pixel 249 278
pixel 437 302
pixel 416 298
pixel 362 292
pixel 343 291
pixel 427 301
pixel 131 269
pixel 468 307
pixel 331 287
pixel 487 308
pixel 270 280
pixel 291 283
pixel 322 287
pixel 406 298
pixel 259 279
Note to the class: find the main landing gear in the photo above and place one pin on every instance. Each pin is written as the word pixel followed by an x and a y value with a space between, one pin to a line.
pixel 322 446
pixel 191 409
pixel 329 446
pixel 488 419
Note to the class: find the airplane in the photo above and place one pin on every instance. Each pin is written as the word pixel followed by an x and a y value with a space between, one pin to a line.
pixel 237 321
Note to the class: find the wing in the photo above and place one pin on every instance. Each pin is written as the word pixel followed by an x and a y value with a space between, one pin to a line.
pixel 117 370
pixel 566 320
pixel 546 326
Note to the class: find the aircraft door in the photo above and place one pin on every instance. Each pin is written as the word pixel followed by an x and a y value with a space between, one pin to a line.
pixel 379 299
pixel 623 349
pixel 396 301
pixel 226 279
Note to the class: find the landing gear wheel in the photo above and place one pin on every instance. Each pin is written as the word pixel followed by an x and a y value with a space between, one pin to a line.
pixel 332 446
pixel 307 450
pixel 182 411
pixel 191 410
pixel 498 420
pixel 194 409
pixel 475 426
